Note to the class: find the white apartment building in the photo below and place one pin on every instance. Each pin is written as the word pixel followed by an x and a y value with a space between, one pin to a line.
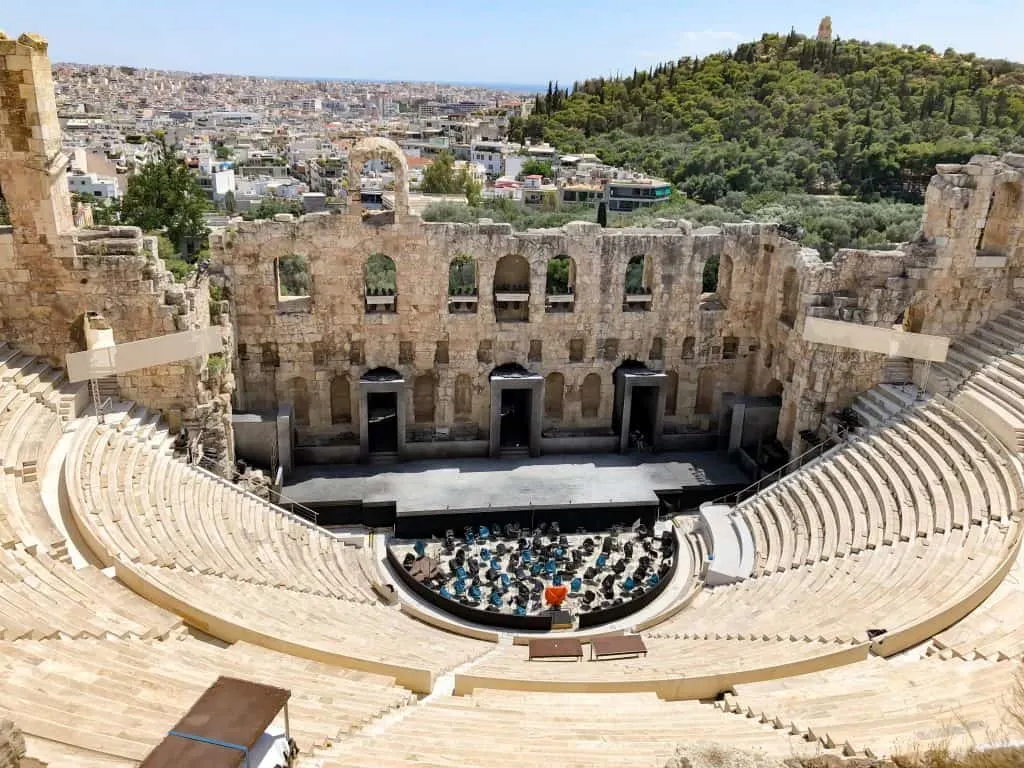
pixel 93 185
pixel 491 155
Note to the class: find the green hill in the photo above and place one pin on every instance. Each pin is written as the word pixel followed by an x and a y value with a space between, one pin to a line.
pixel 789 113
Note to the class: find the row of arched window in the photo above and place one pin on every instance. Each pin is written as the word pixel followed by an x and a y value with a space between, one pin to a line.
pixel 424 389
pixel 511 288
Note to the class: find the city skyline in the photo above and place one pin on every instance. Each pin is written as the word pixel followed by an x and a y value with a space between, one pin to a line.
pixel 396 40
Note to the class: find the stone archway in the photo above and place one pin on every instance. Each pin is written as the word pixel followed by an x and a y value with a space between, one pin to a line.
pixel 377 148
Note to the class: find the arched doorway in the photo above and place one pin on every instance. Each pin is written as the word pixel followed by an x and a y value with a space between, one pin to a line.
pixel 382 413
pixel 516 415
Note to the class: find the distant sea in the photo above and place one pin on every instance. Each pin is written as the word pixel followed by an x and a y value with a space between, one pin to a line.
pixel 512 87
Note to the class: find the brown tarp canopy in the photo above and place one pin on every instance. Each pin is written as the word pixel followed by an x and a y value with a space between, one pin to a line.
pixel 231 711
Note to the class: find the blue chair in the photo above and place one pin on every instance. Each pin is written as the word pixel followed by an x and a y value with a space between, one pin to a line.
pixel 474 592
pixel 496 599
pixel 460 587
pixel 485 554
pixel 653 581
pixel 551 566
pixel 496 565
pixel 519 611
pixel 420 547
pixel 535 569
pixel 575 585
pixel 629 585
pixel 602 561
pixel 559 552
pixel 484 532
pixel 445 593
pixel 505 580
pixel 527 557
pixel 557 580
pixel 460 572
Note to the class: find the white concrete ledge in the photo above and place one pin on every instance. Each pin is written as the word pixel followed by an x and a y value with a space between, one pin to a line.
pixel 732 545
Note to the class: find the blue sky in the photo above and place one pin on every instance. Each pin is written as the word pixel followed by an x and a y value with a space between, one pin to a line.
pixel 482 41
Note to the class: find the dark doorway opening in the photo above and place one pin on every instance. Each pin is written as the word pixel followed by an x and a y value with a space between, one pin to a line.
pixel 515 418
pixel 382 421
pixel 642 418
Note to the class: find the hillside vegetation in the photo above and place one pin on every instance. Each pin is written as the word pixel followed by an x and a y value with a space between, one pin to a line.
pixel 789 113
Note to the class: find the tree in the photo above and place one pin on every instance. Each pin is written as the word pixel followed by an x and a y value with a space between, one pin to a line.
pixel 442 178
pixel 165 195
pixel 534 167
pixel 222 152
pixel 269 207
pixel 230 205
pixel 293 275
pixel 602 214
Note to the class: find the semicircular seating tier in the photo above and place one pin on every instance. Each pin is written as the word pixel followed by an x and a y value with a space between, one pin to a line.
pixel 236 566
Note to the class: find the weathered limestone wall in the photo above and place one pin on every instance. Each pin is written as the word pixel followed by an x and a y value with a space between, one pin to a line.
pixel 746 339
pixel 51 274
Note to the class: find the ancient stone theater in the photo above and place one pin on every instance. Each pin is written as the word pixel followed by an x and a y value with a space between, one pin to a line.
pixel 514 506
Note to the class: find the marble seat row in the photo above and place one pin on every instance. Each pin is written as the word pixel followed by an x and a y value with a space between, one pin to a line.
pixel 880 707
pixel 364 636
pixel 134 499
pixel 924 472
pixel 116 699
pixel 514 728
pixel 839 601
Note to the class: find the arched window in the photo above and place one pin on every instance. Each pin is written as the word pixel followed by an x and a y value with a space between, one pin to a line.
pixel 554 392
pixel 590 396
pixel 386 159
pixel 423 398
pixel 293 280
pixel 462 290
pixel 688 347
pixel 561 284
pixel 341 400
pixel 463 396
pixel 298 391
pixel 512 289
pixel 380 280
pixel 790 297
pixel 671 392
pixel 637 285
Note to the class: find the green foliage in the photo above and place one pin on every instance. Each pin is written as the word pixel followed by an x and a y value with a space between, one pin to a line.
pixel 602 214
pixel 293 275
pixel 788 113
pixel 533 167
pixel 222 152
pixel 216 293
pixel 507 211
pixel 462 276
pixel 269 207
pixel 441 178
pixel 215 363
pixel 379 274
pixel 826 223
pixel 229 202
pixel 635 275
pixel 165 195
pixel 558 275
pixel 709 279
pixel 180 268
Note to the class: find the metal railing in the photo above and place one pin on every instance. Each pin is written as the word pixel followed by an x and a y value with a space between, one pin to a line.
pixel 819 450
pixel 295 508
